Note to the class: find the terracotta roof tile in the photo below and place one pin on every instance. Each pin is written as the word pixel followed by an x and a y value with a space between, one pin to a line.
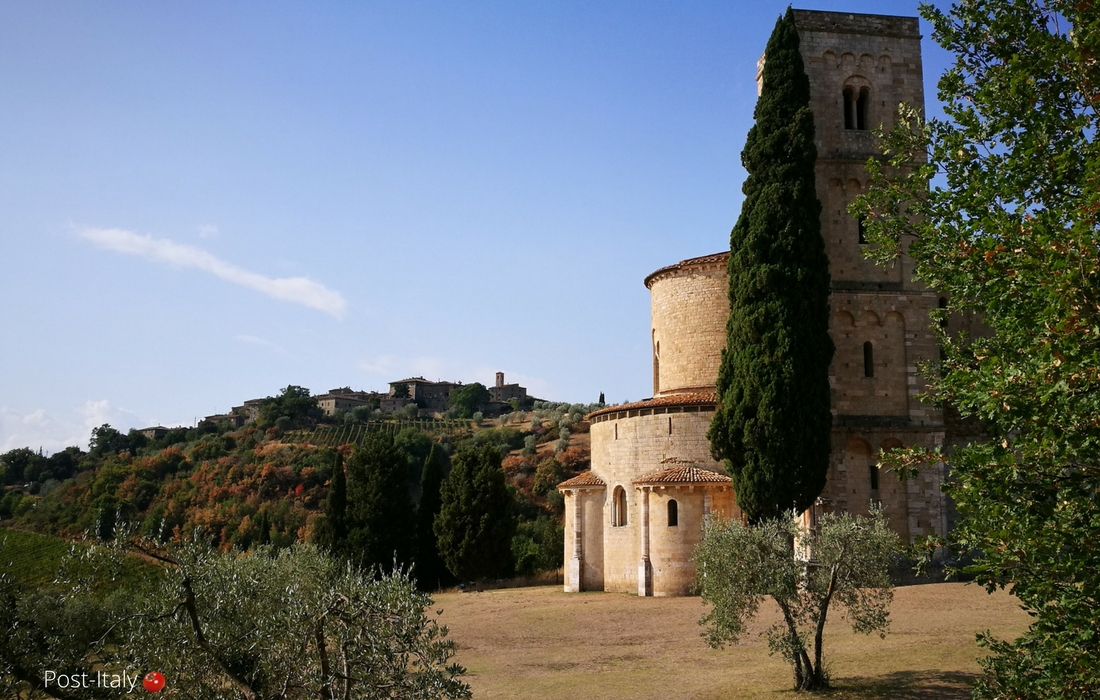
pixel 690 262
pixel 684 475
pixel 705 398
pixel 583 479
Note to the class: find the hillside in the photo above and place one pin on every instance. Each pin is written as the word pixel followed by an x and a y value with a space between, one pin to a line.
pixel 257 485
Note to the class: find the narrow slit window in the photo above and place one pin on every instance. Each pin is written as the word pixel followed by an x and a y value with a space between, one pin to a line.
pixel 618 507
pixel 874 477
pixel 670 425
pixel 673 514
pixel 868 359
pixel 656 366
pixel 862 230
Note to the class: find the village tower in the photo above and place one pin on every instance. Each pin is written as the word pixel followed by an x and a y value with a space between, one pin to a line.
pixel 633 520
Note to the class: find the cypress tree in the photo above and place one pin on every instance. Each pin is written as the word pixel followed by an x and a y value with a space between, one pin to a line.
pixel 380 516
pixel 773 419
pixel 475 524
pixel 334 527
pixel 431 572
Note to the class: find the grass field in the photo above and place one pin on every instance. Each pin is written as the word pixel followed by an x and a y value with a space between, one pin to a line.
pixel 542 643
pixel 30 559
pixel 33 560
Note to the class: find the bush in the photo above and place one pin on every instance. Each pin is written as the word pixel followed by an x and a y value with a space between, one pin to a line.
pixel 548 474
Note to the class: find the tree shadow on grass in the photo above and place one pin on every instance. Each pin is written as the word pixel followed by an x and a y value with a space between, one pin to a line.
pixel 906 685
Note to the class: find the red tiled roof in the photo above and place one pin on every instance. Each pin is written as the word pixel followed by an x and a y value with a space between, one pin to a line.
pixel 583 479
pixel 684 475
pixel 703 398
pixel 690 262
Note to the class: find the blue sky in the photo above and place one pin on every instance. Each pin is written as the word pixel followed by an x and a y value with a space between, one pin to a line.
pixel 203 202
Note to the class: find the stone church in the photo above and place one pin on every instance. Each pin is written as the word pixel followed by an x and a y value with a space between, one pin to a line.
pixel 632 522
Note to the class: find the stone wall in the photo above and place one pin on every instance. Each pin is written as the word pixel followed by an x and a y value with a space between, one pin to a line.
pixel 856 52
pixel 690 306
pixel 897 327
pixel 670 548
pixel 592 565
pixel 628 447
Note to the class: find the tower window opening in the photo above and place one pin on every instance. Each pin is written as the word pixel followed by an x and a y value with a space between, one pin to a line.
pixel 673 514
pixel 862 230
pixel 868 359
pixel 874 476
pixel 670 425
pixel 862 103
pixel 618 507
pixel 656 366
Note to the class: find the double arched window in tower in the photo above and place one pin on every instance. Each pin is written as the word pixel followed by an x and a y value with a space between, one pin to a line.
pixel 857 105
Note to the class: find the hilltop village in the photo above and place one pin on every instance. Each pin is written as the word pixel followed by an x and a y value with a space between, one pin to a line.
pixel 414 397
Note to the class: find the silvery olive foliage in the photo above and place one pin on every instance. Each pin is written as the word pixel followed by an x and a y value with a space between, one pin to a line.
pixel 844 561
pixel 290 624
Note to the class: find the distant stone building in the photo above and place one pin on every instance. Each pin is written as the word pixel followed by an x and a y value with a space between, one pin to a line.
pixel 433 397
pixel 154 433
pixel 249 410
pixel 345 399
pixel 502 393
pixel 634 519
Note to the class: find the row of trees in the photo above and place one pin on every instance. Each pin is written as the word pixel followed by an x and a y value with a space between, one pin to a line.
pixel 462 527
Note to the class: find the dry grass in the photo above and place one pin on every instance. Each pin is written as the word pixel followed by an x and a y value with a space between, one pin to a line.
pixel 542 643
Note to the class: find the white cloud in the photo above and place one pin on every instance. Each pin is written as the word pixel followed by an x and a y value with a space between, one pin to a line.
pixel 297 290
pixel 208 231
pixel 40 429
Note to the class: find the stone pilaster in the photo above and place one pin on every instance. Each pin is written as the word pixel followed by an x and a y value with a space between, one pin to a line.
pixel 645 567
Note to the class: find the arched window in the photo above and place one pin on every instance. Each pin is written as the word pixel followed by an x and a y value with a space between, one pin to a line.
pixel 874 476
pixel 857 105
pixel 618 507
pixel 868 360
pixel 673 515
pixel 862 103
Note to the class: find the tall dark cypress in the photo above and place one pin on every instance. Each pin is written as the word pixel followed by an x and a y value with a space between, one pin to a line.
pixel 334 532
pixel 380 515
pixel 772 423
pixel 475 524
pixel 431 572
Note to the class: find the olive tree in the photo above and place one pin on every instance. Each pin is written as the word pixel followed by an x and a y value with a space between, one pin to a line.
pixel 843 561
pixel 289 624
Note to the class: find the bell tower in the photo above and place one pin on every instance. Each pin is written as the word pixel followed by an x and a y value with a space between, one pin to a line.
pixel 861 67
